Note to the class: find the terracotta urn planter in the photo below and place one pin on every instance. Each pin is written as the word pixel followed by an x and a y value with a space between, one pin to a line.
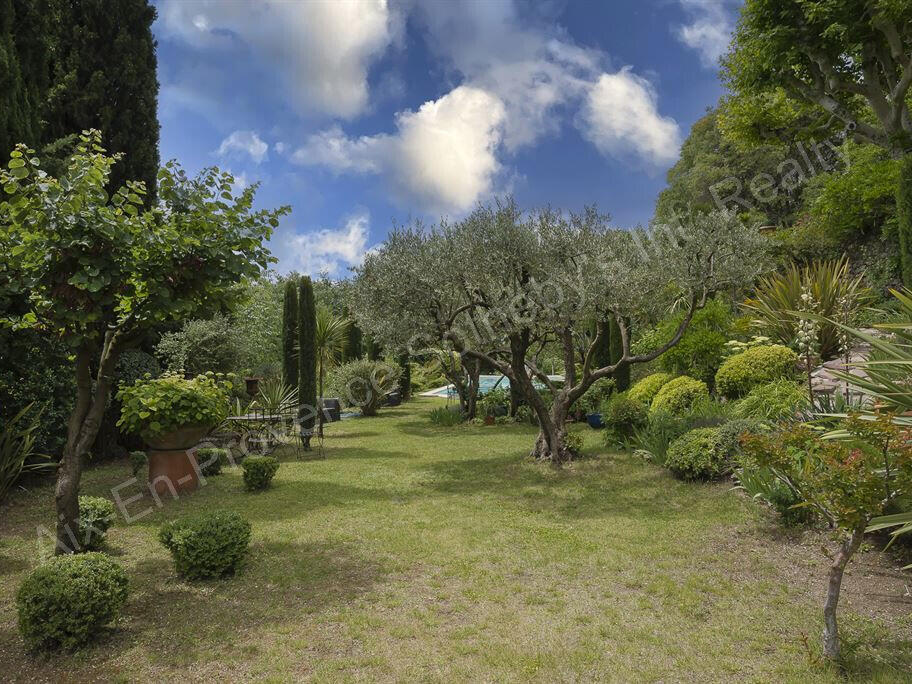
pixel 171 467
pixel 489 420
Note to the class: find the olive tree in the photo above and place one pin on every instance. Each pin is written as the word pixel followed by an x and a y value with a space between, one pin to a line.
pixel 500 285
pixel 97 271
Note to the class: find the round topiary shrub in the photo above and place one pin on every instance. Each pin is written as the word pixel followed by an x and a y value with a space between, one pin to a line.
pixel 65 602
pixel 697 455
pixel 210 545
pixel 259 471
pixel 756 366
pixel 645 390
pixel 775 401
pixel 210 460
pixel 679 396
pixel 730 435
pixel 622 414
pixel 96 515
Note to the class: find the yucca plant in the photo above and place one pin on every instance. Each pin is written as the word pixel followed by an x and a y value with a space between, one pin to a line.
pixel 838 296
pixel 275 397
pixel 17 442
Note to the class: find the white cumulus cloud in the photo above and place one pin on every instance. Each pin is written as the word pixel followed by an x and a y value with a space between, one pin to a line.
pixel 244 142
pixel 329 250
pixel 321 48
pixel 710 29
pixel 620 117
pixel 442 156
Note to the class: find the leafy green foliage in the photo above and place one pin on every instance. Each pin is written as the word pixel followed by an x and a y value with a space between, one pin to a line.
pixel 442 416
pixel 592 398
pixel 363 384
pixel 679 396
pixel 17 443
pixel 702 347
pixel 904 217
pixel 154 407
pixel 210 460
pixel 138 462
pixel 622 414
pixel 697 455
pixel 207 546
pixel 776 401
pixel 201 346
pixel 644 390
pixel 730 433
pixel 258 472
pixel 96 515
pixel 778 297
pixel 68 600
pixel 741 373
pixel 495 402
pixel 762 484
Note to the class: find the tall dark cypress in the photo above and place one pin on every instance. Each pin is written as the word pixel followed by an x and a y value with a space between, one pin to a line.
pixel 352 350
pixel 307 357
pixel 622 375
pixel 104 77
pixel 290 334
pixel 25 43
pixel 601 357
pixel 405 380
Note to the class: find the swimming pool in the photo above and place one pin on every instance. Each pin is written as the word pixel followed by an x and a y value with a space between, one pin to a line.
pixel 485 384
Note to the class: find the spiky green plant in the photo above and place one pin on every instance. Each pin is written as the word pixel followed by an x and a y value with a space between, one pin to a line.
pixel 17 442
pixel 837 294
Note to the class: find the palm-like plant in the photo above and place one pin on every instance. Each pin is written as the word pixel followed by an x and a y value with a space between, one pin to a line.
pixel 330 338
pixel 276 398
pixel 837 295
pixel 17 441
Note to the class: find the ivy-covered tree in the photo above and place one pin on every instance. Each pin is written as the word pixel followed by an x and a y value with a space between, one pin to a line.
pixel 290 334
pixel 500 285
pixel 307 358
pixel 97 271
pixel 103 77
pixel 850 61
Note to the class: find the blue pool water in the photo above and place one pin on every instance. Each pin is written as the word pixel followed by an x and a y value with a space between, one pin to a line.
pixel 485 384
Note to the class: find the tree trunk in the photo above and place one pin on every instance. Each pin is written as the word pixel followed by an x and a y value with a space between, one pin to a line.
pixel 82 428
pixel 904 217
pixel 834 585
pixel 551 444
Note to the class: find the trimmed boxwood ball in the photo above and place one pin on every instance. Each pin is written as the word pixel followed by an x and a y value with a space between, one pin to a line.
pixel 65 602
pixel 645 390
pixel 697 455
pixel 259 471
pixel 756 366
pixel 207 546
pixel 96 515
pixel 623 414
pixel 210 460
pixel 679 396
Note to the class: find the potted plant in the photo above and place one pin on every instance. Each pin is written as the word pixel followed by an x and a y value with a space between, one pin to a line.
pixel 494 404
pixel 589 405
pixel 172 414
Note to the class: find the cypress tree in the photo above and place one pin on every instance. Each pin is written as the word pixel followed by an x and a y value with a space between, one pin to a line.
pixel 601 357
pixel 307 358
pixel 373 349
pixel 352 349
pixel 622 375
pixel 290 334
pixel 904 217
pixel 104 77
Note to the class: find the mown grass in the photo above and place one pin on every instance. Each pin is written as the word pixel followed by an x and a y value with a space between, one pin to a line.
pixel 444 554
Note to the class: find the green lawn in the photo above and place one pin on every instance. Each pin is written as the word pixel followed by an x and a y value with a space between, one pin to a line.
pixel 445 554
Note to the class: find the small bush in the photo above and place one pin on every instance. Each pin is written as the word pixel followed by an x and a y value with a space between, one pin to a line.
pixel 442 416
pixel 775 401
pixel 645 390
pixel 757 366
pixel 138 461
pixel 660 430
pixel 207 546
pixel 210 460
pixel 679 396
pixel 494 403
pixel 574 442
pixel 730 435
pixel 760 483
pixel 96 515
pixel 622 414
pixel 363 384
pixel 697 455
pixel 65 602
pixel 258 472
pixel 525 414
pixel 593 397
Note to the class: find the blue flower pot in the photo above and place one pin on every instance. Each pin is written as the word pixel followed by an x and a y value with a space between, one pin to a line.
pixel 595 420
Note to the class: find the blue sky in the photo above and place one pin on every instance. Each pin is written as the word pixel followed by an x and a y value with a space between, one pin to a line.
pixel 365 113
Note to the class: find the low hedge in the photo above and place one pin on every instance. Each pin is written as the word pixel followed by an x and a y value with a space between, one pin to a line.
pixel 679 396
pixel 697 455
pixel 756 366
pixel 65 602
pixel 207 546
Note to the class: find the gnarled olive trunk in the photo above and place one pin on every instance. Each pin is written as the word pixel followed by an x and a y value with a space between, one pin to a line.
pixel 834 585
pixel 82 428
